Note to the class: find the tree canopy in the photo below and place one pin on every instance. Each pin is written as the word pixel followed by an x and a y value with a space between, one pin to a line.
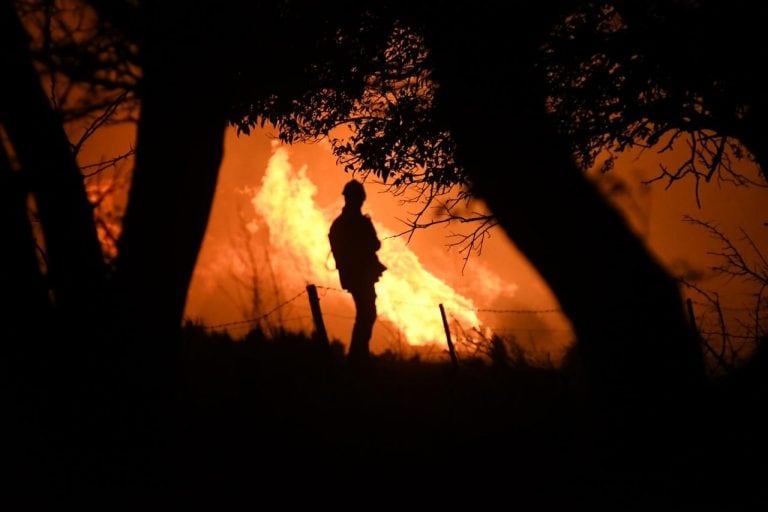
pixel 661 75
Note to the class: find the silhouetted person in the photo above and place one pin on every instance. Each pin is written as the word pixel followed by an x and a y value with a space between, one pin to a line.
pixel 354 244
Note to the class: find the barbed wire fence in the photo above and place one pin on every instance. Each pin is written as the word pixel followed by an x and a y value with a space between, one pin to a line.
pixel 249 322
pixel 476 342
pixel 396 338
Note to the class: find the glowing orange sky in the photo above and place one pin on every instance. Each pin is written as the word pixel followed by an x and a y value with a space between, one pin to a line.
pixel 656 213
pixel 409 301
pixel 216 296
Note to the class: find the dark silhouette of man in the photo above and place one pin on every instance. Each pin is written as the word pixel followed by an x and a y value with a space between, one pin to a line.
pixel 354 244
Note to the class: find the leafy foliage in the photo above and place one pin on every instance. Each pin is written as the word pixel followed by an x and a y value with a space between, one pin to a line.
pixel 376 107
pixel 654 74
pixel 367 88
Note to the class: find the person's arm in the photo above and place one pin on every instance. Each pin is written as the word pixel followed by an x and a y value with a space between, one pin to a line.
pixel 373 241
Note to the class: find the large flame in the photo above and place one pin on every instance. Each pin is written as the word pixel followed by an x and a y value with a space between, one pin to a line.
pixel 408 294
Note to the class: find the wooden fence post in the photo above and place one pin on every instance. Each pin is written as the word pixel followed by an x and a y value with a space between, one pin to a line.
pixel 451 350
pixel 317 315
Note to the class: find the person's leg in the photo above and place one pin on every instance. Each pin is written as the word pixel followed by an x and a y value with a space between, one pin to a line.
pixel 365 316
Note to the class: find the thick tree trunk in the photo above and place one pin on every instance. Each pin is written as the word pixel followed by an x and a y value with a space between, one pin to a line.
pixel 25 327
pixel 178 153
pixel 76 268
pixel 626 310
pixel 23 288
pixel 63 379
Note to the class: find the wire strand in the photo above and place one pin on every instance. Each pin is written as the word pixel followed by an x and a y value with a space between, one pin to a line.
pixel 258 318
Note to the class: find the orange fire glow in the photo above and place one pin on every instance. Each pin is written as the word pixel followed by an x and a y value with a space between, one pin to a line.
pixel 408 294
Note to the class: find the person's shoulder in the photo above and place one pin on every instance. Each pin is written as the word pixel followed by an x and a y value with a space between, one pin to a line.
pixel 338 220
pixel 369 221
pixel 339 223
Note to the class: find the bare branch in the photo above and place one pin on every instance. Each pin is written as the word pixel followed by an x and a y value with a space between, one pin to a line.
pixel 103 165
pixel 102 119
pixel 734 263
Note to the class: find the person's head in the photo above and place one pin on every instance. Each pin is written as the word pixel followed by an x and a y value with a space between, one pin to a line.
pixel 354 193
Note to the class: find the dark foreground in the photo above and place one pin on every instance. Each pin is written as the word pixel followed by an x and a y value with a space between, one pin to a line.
pixel 284 418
